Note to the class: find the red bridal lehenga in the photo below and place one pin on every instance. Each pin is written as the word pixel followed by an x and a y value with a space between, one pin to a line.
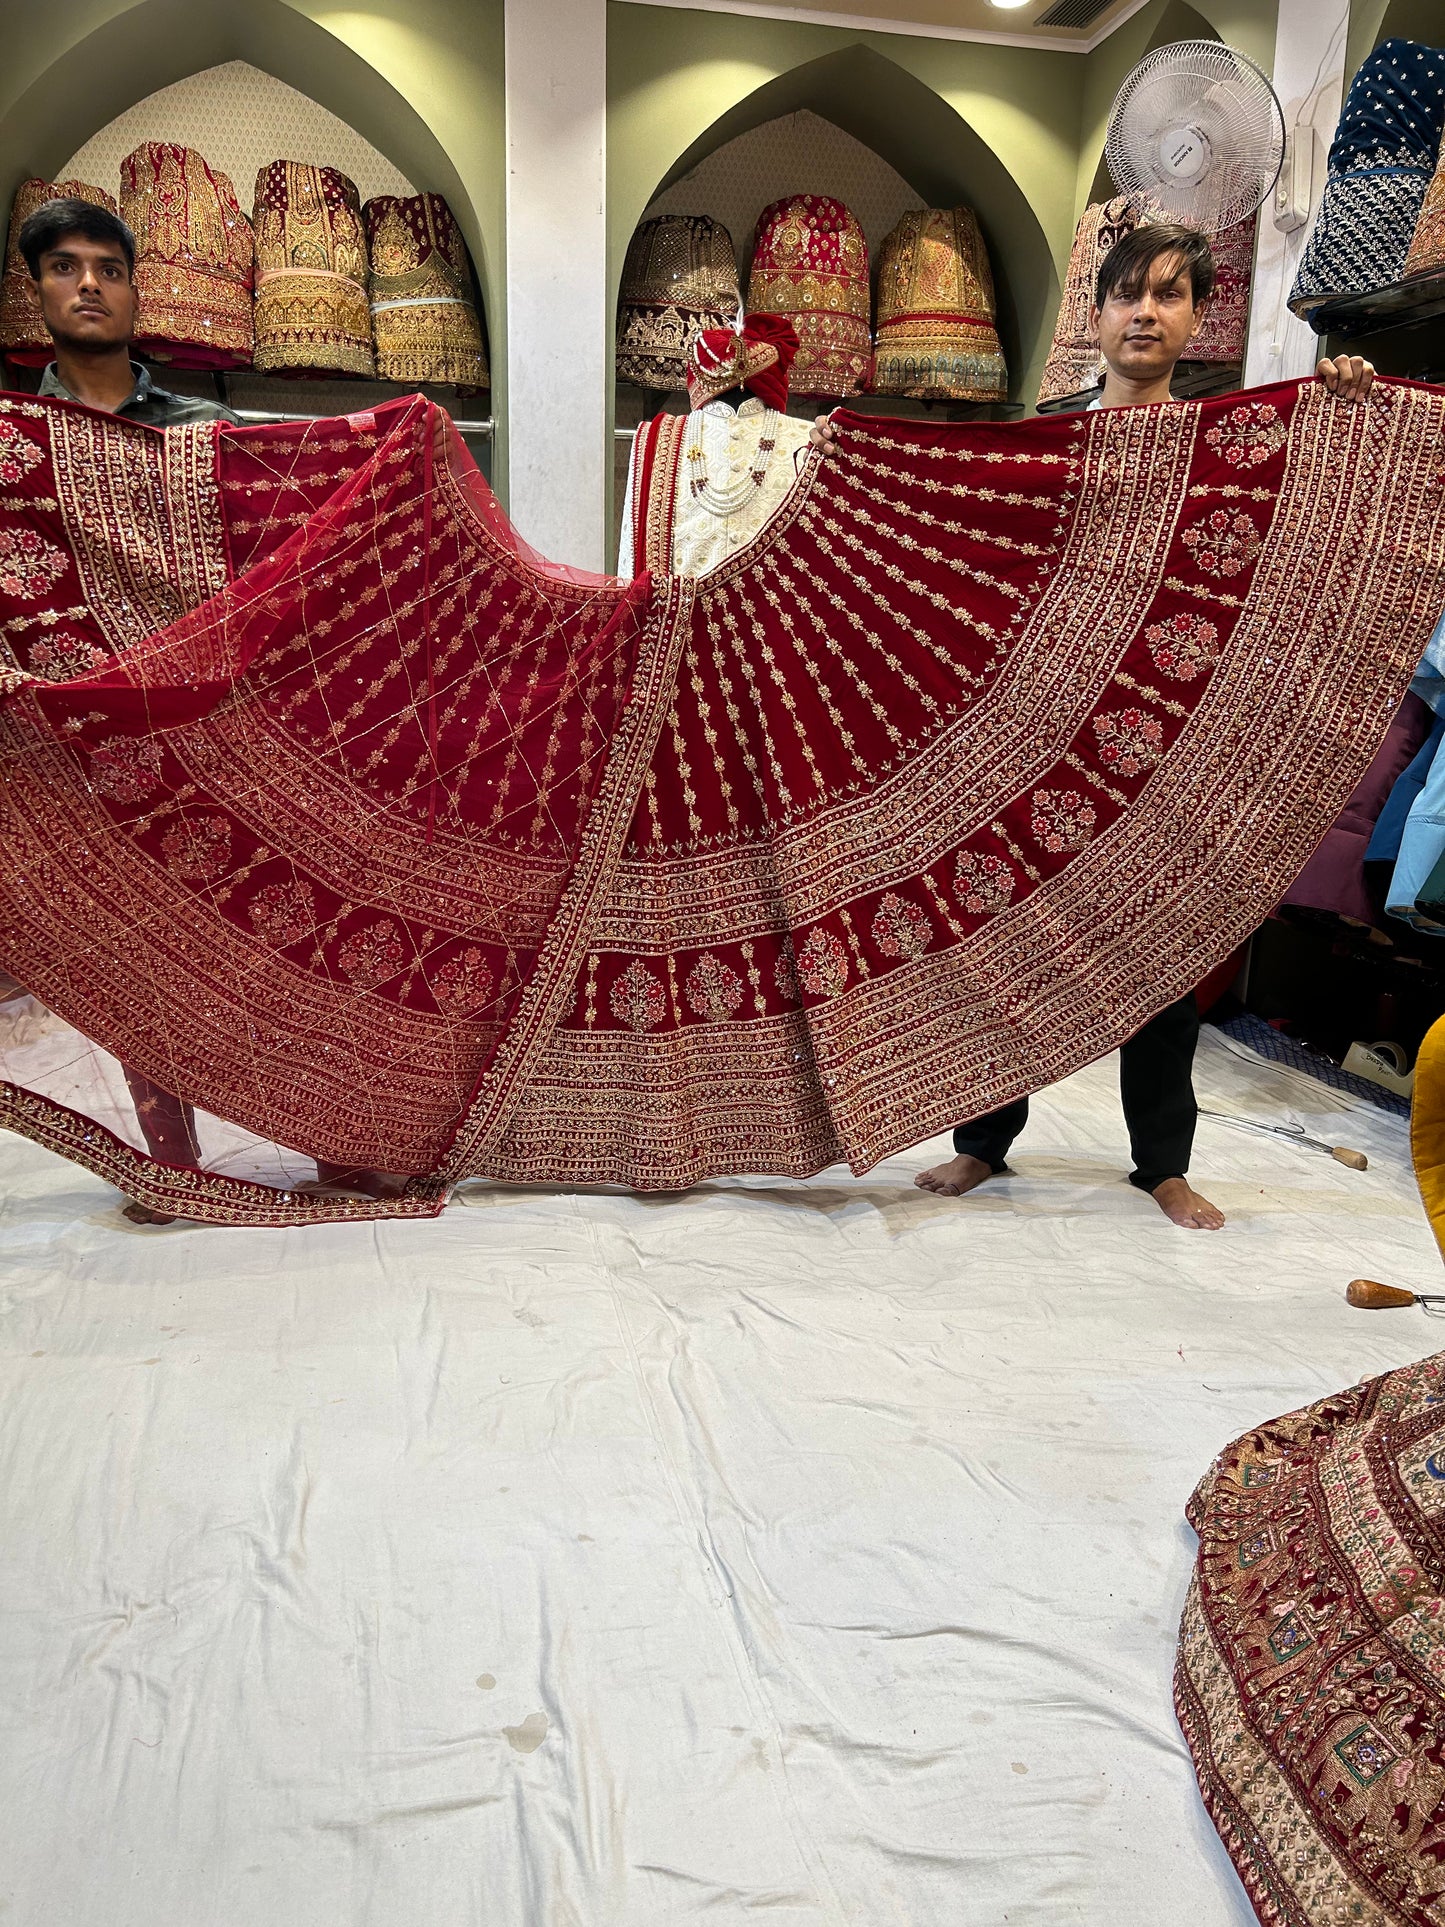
pixel 1310 1679
pixel 332 809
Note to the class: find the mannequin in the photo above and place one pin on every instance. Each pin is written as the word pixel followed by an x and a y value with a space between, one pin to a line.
pixel 701 486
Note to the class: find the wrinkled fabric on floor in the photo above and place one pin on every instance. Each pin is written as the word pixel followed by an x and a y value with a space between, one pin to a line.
pixel 809 1552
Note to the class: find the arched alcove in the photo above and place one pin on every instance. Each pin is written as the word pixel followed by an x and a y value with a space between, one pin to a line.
pixel 433 109
pixel 931 146
pixel 1372 21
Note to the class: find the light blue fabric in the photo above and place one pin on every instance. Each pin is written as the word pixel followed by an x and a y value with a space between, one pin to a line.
pixel 1429 683
pixel 1422 841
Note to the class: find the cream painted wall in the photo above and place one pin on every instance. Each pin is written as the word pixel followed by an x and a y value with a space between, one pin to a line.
pixel 993 126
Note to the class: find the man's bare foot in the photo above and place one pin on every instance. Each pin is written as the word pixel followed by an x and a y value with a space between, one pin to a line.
pixel 142 1214
pixel 957 1175
pixel 1182 1205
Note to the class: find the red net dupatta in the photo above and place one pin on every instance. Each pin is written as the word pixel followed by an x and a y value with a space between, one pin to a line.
pixel 330 808
pixel 295 856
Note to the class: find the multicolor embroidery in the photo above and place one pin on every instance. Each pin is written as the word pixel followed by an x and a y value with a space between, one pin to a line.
pixel 638 999
pixel 982 883
pixel 198 847
pixel 1130 741
pixel 823 964
pixel 1062 820
pixel 283 913
pixel 463 985
pixel 18 454
pixel 1224 543
pixel 1184 647
pixel 29 565
pixel 1248 435
pixel 714 989
pixel 371 956
pixel 900 928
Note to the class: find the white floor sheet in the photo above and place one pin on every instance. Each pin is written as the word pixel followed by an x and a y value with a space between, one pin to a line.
pixel 800 1553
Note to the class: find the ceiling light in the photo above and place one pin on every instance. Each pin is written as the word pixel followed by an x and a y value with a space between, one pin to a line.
pixel 1007 6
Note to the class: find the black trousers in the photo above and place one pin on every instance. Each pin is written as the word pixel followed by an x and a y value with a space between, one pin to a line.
pixel 1157 1089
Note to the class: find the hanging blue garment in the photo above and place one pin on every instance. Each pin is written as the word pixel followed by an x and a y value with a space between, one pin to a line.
pixel 1422 844
pixel 1389 830
pixel 1381 161
pixel 1429 681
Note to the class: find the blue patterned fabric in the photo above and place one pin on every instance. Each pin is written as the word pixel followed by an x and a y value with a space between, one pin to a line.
pixel 1381 162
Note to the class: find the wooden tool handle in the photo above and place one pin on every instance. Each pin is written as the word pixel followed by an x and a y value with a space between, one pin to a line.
pixel 1356 1160
pixel 1372 1296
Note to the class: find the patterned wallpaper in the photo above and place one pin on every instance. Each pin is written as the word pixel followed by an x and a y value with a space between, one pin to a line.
pixel 796 154
pixel 239 118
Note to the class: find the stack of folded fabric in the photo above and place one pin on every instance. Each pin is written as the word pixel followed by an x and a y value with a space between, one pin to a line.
pixel 422 314
pixel 679 279
pixel 1381 163
pixel 936 333
pixel 313 315
pixel 1074 365
pixel 810 264
pixel 24 336
pixel 194 259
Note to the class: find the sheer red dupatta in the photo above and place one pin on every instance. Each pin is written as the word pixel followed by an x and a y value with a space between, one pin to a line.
pixel 314 834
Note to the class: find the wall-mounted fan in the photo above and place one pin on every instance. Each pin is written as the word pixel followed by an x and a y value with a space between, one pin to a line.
pixel 1196 135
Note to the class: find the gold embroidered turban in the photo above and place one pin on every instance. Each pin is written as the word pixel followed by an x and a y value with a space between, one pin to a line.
pixel 936 334
pixel 1074 362
pixel 422 314
pixel 312 311
pixel 195 265
pixel 810 263
pixel 680 278
pixel 24 336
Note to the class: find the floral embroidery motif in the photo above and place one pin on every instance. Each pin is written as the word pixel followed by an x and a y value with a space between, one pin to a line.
pixel 983 884
pixel 1184 647
pixel 463 984
pixel 58 658
pixel 900 928
pixel 197 848
pixel 18 454
pixel 126 768
pixel 638 999
pixel 1130 741
pixel 1062 820
pixel 1224 543
pixel 29 565
pixel 370 956
pixel 823 964
pixel 1248 435
pixel 714 989
pixel 284 913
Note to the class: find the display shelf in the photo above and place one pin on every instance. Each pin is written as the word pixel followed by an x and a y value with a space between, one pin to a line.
pixel 1380 310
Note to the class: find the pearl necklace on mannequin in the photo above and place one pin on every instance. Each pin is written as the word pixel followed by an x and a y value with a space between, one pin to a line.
pixel 729 498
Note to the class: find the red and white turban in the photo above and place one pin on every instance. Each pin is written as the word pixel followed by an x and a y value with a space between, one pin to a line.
pixel 756 356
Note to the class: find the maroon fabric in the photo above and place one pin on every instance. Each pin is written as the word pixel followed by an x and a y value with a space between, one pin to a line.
pixel 1334 877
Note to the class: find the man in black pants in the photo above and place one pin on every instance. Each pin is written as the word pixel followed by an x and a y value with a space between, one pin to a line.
pixel 1152 292
pixel 1153 289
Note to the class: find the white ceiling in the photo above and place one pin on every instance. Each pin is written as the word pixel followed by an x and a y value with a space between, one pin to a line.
pixel 941 19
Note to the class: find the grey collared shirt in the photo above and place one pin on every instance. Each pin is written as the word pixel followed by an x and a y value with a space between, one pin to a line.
pixel 157 407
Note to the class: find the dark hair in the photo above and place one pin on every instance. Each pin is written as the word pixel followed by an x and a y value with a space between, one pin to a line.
pixel 53 220
pixel 1125 268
